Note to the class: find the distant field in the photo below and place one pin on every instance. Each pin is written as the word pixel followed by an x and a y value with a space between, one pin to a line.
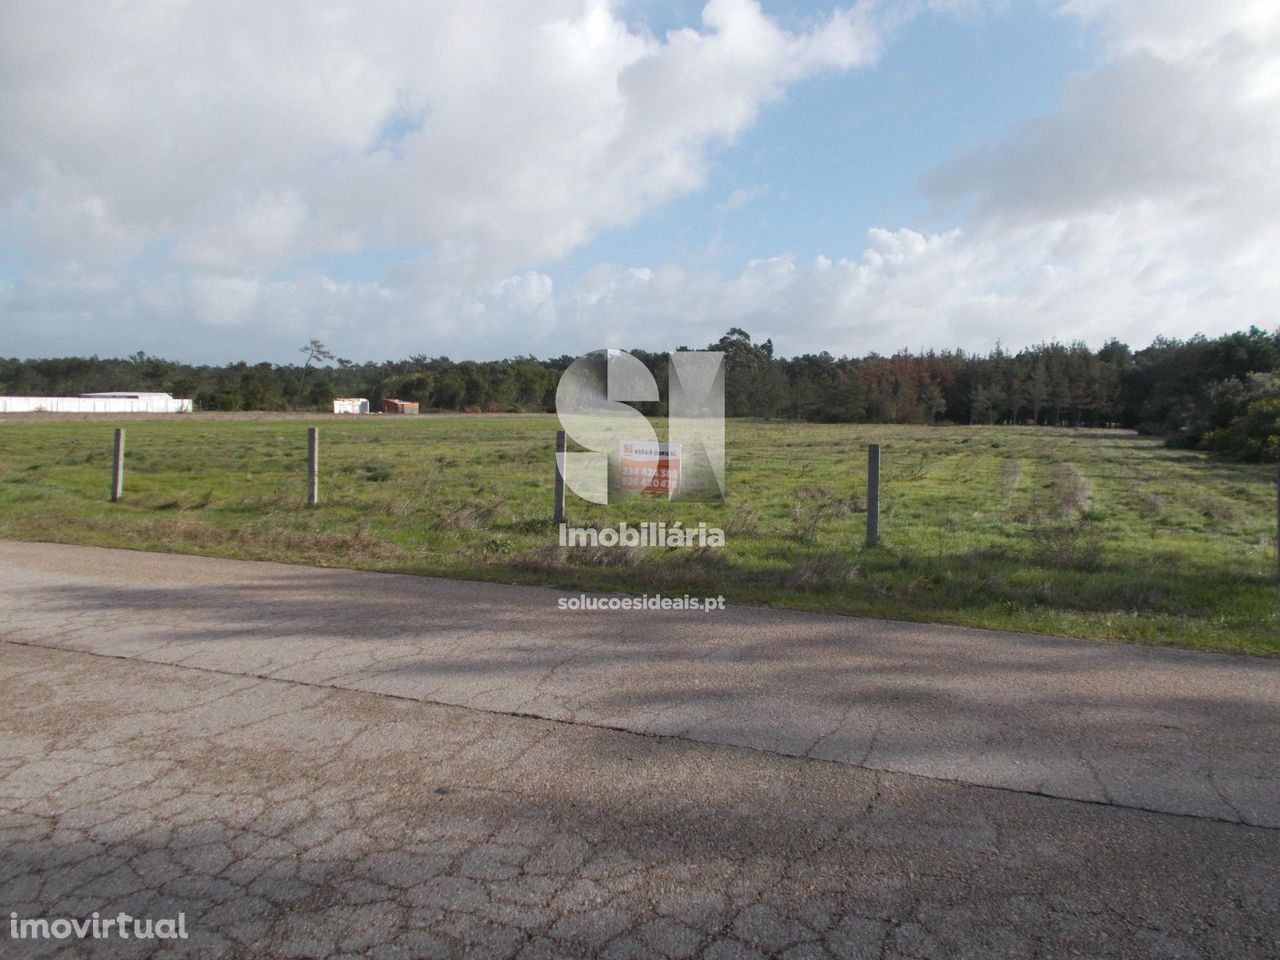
pixel 1073 532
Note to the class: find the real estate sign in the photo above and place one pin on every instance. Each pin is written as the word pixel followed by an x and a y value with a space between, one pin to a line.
pixel 649 466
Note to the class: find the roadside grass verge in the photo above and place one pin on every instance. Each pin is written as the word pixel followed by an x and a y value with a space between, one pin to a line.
pixel 1080 533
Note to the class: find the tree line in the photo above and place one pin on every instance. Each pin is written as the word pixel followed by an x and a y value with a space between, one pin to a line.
pixel 1220 394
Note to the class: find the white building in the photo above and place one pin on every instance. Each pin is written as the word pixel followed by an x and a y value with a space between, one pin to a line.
pixel 350 405
pixel 115 402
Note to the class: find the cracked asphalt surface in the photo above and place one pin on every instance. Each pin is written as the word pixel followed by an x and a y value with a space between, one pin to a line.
pixel 314 763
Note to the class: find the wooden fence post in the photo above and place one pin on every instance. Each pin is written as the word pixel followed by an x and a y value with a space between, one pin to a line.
pixel 873 495
pixel 558 516
pixel 313 466
pixel 1278 521
pixel 117 467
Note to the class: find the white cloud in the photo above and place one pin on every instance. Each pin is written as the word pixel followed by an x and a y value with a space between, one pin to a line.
pixel 1150 201
pixel 1095 277
pixel 507 133
pixel 740 197
pixel 497 139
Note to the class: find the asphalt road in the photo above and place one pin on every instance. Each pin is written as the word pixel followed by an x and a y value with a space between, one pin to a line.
pixel 322 763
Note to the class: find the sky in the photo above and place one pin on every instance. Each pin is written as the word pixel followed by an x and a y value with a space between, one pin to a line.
pixel 219 181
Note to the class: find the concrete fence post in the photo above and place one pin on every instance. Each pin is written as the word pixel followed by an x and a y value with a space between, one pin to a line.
pixel 558 515
pixel 873 495
pixel 117 467
pixel 313 466
pixel 1278 522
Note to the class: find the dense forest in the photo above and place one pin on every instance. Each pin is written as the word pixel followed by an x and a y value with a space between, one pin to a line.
pixel 1220 394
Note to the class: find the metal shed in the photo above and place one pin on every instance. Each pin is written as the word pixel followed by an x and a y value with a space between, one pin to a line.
pixel 399 406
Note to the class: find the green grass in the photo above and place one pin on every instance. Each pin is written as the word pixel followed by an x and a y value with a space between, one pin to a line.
pixel 1080 533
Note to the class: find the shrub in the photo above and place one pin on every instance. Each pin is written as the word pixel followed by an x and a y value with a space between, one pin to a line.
pixel 1253 436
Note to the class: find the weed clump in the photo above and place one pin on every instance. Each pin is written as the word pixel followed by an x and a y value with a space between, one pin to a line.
pixel 467 518
pixel 1010 475
pixel 1077 545
pixel 1073 491
pixel 814 571
pixel 815 505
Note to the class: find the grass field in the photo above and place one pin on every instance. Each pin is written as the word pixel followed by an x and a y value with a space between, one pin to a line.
pixel 1081 533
